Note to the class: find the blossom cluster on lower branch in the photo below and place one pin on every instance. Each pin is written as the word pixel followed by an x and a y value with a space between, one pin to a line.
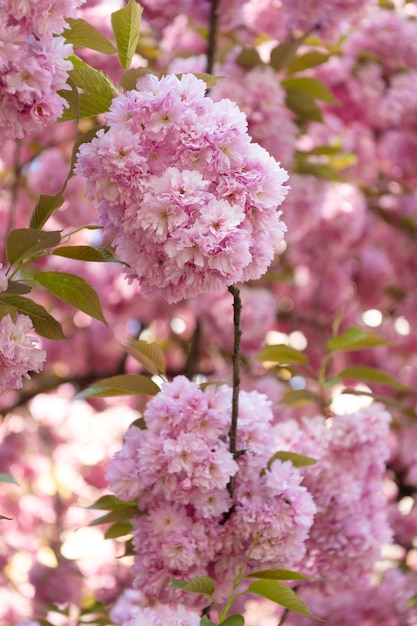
pixel 189 524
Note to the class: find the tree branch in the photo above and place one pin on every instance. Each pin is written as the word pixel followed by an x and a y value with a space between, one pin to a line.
pixel 212 36
pixel 237 308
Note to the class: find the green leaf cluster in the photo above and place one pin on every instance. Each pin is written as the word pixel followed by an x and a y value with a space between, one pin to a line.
pixel 96 95
pixel 266 585
pixel 119 515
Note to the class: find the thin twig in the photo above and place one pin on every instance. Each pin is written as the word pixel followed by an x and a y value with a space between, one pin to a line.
pixel 212 36
pixel 13 192
pixel 237 308
pixel 190 367
pixel 283 617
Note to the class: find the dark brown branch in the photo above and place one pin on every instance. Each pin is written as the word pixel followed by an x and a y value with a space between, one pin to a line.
pixel 283 617
pixel 212 36
pixel 237 308
pixel 13 192
pixel 190 368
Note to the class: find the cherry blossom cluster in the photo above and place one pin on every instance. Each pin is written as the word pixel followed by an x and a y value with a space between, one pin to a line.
pixel 330 18
pixel 42 18
pixel 162 12
pixel 131 610
pixel 162 616
pixel 351 522
pixel 180 467
pixel 19 351
pixel 34 64
pixel 261 97
pixel 188 201
pixel 390 602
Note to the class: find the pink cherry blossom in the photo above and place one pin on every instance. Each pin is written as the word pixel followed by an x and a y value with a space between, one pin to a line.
pixel 188 201
pixel 19 351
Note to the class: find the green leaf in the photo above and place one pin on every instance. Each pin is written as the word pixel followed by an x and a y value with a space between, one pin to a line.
pixel 99 92
pixel 355 339
pixel 319 170
pixel 307 60
pixel 93 82
pixel 298 460
pixel 111 503
pixel 81 34
pixel 73 290
pixel 249 58
pixel 72 97
pixel 6 309
pixel 205 621
pixel 126 28
pixel 298 397
pixel 120 515
pixel 283 54
pixel 45 206
pixel 122 385
pixel 303 104
pixel 118 530
pixel 84 253
pixel 233 620
pixel 201 584
pixel 43 323
pixel 149 355
pixel 6 478
pixel 324 149
pixel 139 423
pixel 90 106
pixel 402 221
pixel 277 574
pixel 129 549
pixel 15 288
pixel 24 243
pixel 313 86
pixel 280 594
pixel 129 78
pixel 281 353
pixel 412 601
pixel 370 374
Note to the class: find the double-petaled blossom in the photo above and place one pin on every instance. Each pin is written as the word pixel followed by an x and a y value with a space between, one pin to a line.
pixel 180 468
pixel 19 351
pixel 34 64
pixel 189 202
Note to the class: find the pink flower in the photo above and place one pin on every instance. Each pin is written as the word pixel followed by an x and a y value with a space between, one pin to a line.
pixel 19 351
pixel 163 616
pixel 32 71
pixel 181 467
pixel 351 523
pixel 188 201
